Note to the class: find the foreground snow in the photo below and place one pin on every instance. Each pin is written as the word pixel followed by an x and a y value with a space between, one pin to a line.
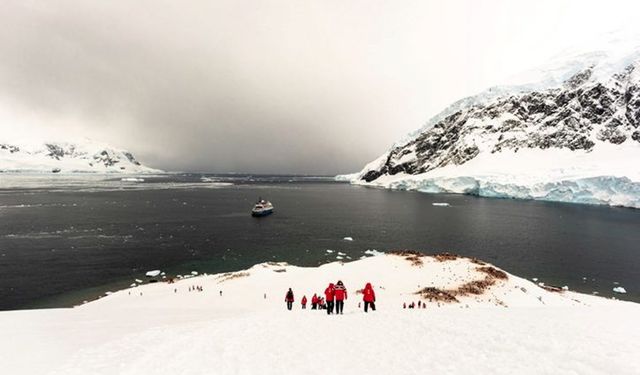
pixel 512 326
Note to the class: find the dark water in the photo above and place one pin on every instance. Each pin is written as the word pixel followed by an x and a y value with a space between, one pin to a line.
pixel 60 246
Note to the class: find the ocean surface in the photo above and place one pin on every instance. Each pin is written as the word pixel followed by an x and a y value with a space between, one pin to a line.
pixel 66 239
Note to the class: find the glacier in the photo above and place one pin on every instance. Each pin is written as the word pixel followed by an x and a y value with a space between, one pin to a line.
pixel 567 132
pixel 607 190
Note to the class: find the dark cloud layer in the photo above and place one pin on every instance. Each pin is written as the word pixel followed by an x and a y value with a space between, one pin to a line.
pixel 277 86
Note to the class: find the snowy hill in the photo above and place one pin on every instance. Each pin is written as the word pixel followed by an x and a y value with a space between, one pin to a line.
pixel 573 135
pixel 478 319
pixel 67 157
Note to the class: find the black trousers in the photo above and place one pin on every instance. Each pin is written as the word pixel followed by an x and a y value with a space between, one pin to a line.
pixel 289 305
pixel 339 306
pixel 314 306
pixel 329 307
pixel 366 305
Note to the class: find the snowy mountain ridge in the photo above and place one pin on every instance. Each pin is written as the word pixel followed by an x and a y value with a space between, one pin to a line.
pixel 563 139
pixel 69 157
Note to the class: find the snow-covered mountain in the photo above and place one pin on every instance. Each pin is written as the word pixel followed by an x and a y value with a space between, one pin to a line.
pixel 572 135
pixel 67 157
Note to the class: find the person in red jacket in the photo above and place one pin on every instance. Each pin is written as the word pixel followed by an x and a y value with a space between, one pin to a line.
pixel 304 302
pixel 289 299
pixel 340 293
pixel 369 297
pixel 329 294
pixel 314 302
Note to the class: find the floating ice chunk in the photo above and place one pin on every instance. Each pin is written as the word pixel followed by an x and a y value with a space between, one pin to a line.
pixel 440 204
pixel 153 273
pixel 133 285
pixel 348 238
pixel 138 281
pixel 373 252
pixel 339 257
pixel 565 288
pixel 535 279
pixel 541 284
pixel 619 289
pixel 341 253
pixel 194 273
pixel 132 179
pixel 108 293
pixel 329 251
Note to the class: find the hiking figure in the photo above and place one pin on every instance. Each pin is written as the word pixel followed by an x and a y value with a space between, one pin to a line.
pixel 289 299
pixel 329 294
pixel 314 302
pixel 304 302
pixel 369 298
pixel 340 293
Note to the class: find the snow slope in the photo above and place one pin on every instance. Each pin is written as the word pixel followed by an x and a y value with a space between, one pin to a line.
pixel 511 326
pixel 573 135
pixel 67 157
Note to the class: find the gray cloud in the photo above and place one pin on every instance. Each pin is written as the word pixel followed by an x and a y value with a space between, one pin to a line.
pixel 277 86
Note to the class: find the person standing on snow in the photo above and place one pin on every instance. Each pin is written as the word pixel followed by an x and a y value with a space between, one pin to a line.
pixel 329 294
pixel 289 299
pixel 340 293
pixel 369 298
pixel 304 302
pixel 314 302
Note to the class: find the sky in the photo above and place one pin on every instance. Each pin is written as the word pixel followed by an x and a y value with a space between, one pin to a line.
pixel 305 87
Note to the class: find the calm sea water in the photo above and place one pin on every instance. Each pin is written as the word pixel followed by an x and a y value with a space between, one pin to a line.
pixel 76 239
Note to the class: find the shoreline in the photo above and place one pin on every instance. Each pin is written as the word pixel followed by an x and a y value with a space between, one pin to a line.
pixel 77 298
pixel 471 307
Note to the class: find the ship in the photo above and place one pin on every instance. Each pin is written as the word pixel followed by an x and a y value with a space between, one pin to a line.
pixel 262 208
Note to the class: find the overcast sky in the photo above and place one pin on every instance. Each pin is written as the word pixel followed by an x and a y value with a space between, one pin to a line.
pixel 316 87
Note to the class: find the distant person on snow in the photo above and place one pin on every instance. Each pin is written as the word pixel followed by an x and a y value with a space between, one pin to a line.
pixel 314 302
pixel 340 293
pixel 329 294
pixel 369 298
pixel 289 299
pixel 304 302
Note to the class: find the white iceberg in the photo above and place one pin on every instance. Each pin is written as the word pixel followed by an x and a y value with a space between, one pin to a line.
pixel 348 238
pixel 620 290
pixel 153 273
pixel 373 252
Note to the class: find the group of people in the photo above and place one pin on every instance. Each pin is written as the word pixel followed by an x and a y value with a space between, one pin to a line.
pixel 334 297
pixel 412 305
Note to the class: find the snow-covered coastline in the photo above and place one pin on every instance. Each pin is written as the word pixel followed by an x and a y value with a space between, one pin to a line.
pixel 83 156
pixel 607 176
pixel 570 134
pixel 478 319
